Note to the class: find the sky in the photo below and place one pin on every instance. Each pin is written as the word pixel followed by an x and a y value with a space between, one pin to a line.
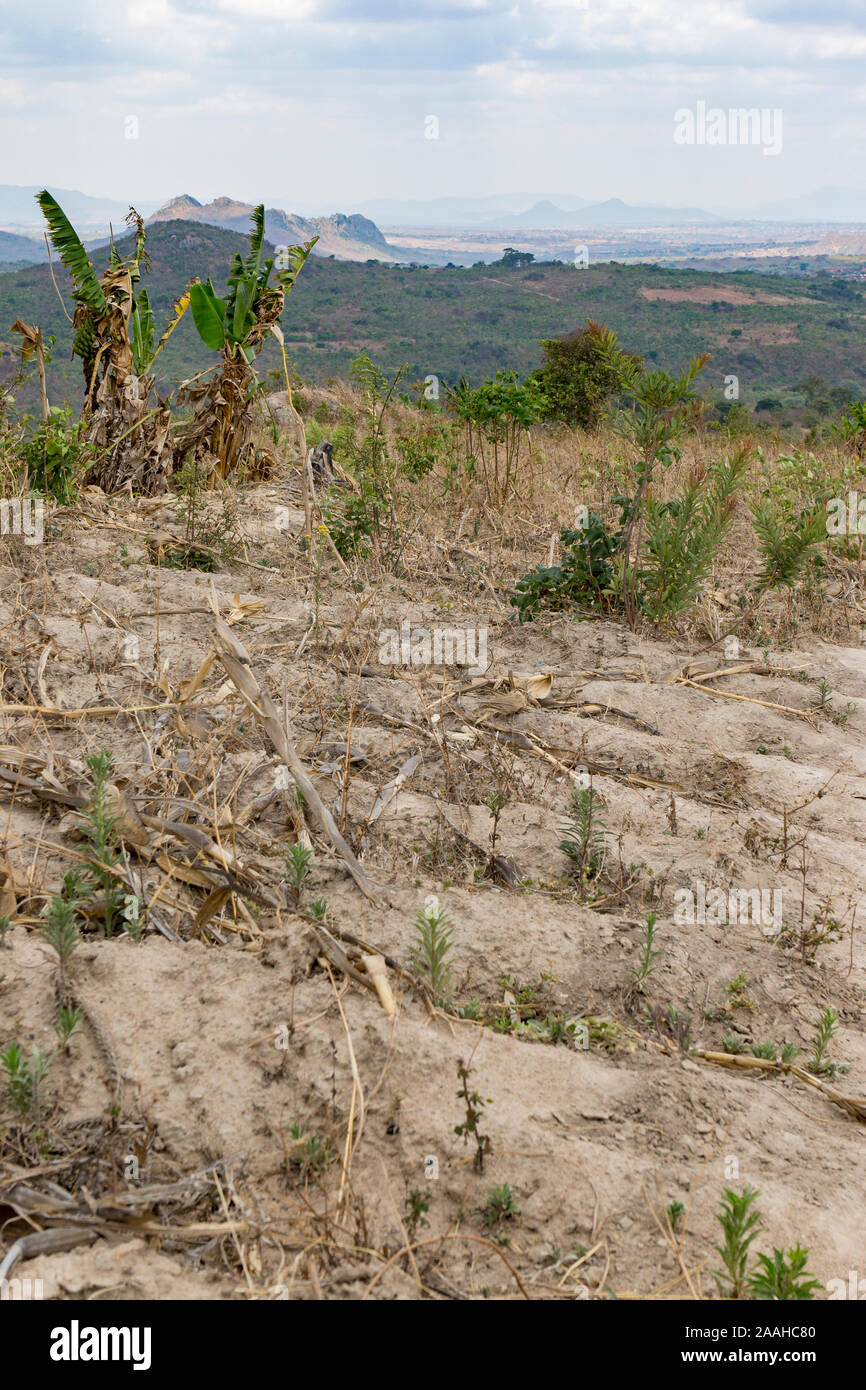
pixel 319 105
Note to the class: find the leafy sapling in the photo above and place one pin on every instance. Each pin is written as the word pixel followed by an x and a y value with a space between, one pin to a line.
pixel 431 949
pixel 297 861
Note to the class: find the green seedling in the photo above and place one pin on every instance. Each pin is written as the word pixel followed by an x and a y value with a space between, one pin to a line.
pixel 430 951
pixel 297 862
pixel 740 1226
pixel 783 1276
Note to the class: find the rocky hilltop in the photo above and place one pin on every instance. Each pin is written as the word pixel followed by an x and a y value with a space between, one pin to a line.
pixel 349 238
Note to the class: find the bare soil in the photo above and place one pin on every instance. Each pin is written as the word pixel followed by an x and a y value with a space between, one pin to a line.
pixel 207 1040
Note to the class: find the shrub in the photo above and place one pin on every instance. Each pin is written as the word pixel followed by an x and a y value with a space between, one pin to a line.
pixel 55 455
pixel 577 380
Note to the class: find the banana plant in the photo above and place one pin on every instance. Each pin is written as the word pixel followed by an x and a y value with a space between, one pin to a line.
pixel 237 324
pixel 113 335
pixel 104 305
pixel 142 330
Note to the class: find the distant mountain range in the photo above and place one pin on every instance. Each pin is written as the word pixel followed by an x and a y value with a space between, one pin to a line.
pixel 464 212
pixel 824 205
pixel 19 209
pixel 612 213
pixel 349 238
pixel 21 248
pixel 357 236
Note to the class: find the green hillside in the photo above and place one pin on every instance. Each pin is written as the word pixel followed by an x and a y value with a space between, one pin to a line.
pixel 768 331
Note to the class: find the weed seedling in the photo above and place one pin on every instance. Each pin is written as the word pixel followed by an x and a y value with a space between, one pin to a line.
pixel 430 950
pixel 500 1206
pixel 584 837
pixel 783 1276
pixel 469 1128
pixel 25 1079
pixel 309 1154
pixel 675 1212
pixel 102 829
pixel 417 1206
pixel 297 862
pixel 68 1019
pixel 61 930
pixel 646 959
pixel 819 1063
pixel 740 1227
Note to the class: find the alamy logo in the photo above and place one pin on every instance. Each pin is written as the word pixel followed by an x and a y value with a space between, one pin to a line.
pixel 439 646
pixel 738 126
pixel 22 517
pixel 854 1290
pixel 846 519
pixel 76 1343
pixel 18 1290
pixel 719 907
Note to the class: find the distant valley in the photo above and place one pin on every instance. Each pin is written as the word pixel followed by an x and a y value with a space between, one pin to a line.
pixel 771 333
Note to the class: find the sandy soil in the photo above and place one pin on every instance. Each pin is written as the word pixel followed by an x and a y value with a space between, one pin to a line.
pixel 207 1040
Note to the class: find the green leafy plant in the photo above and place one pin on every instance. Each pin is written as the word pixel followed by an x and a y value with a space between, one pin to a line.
pixel 783 1276
pixel 102 830
pixel 684 536
pixel 826 1027
pixel 297 862
pixel 113 338
pixel 675 1212
pixel 740 1226
pixel 236 325
pixel 786 543
pixel 495 417
pixel 852 426
pixel 577 380
pixel 309 1154
pixel 647 956
pixel 55 454
pixel 470 1125
pixel 368 516
pixel 431 949
pixel 60 929
pixel 585 575
pixel 653 424
pixel 69 1018
pixel 500 1206
pixel 584 839
pixel 25 1079
pixel 417 1205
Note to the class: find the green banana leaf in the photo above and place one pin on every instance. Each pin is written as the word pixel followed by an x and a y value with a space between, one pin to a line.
pixel 68 246
pixel 141 333
pixel 208 315
pixel 297 256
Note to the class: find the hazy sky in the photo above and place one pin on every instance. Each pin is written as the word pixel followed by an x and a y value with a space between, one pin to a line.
pixel 323 103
